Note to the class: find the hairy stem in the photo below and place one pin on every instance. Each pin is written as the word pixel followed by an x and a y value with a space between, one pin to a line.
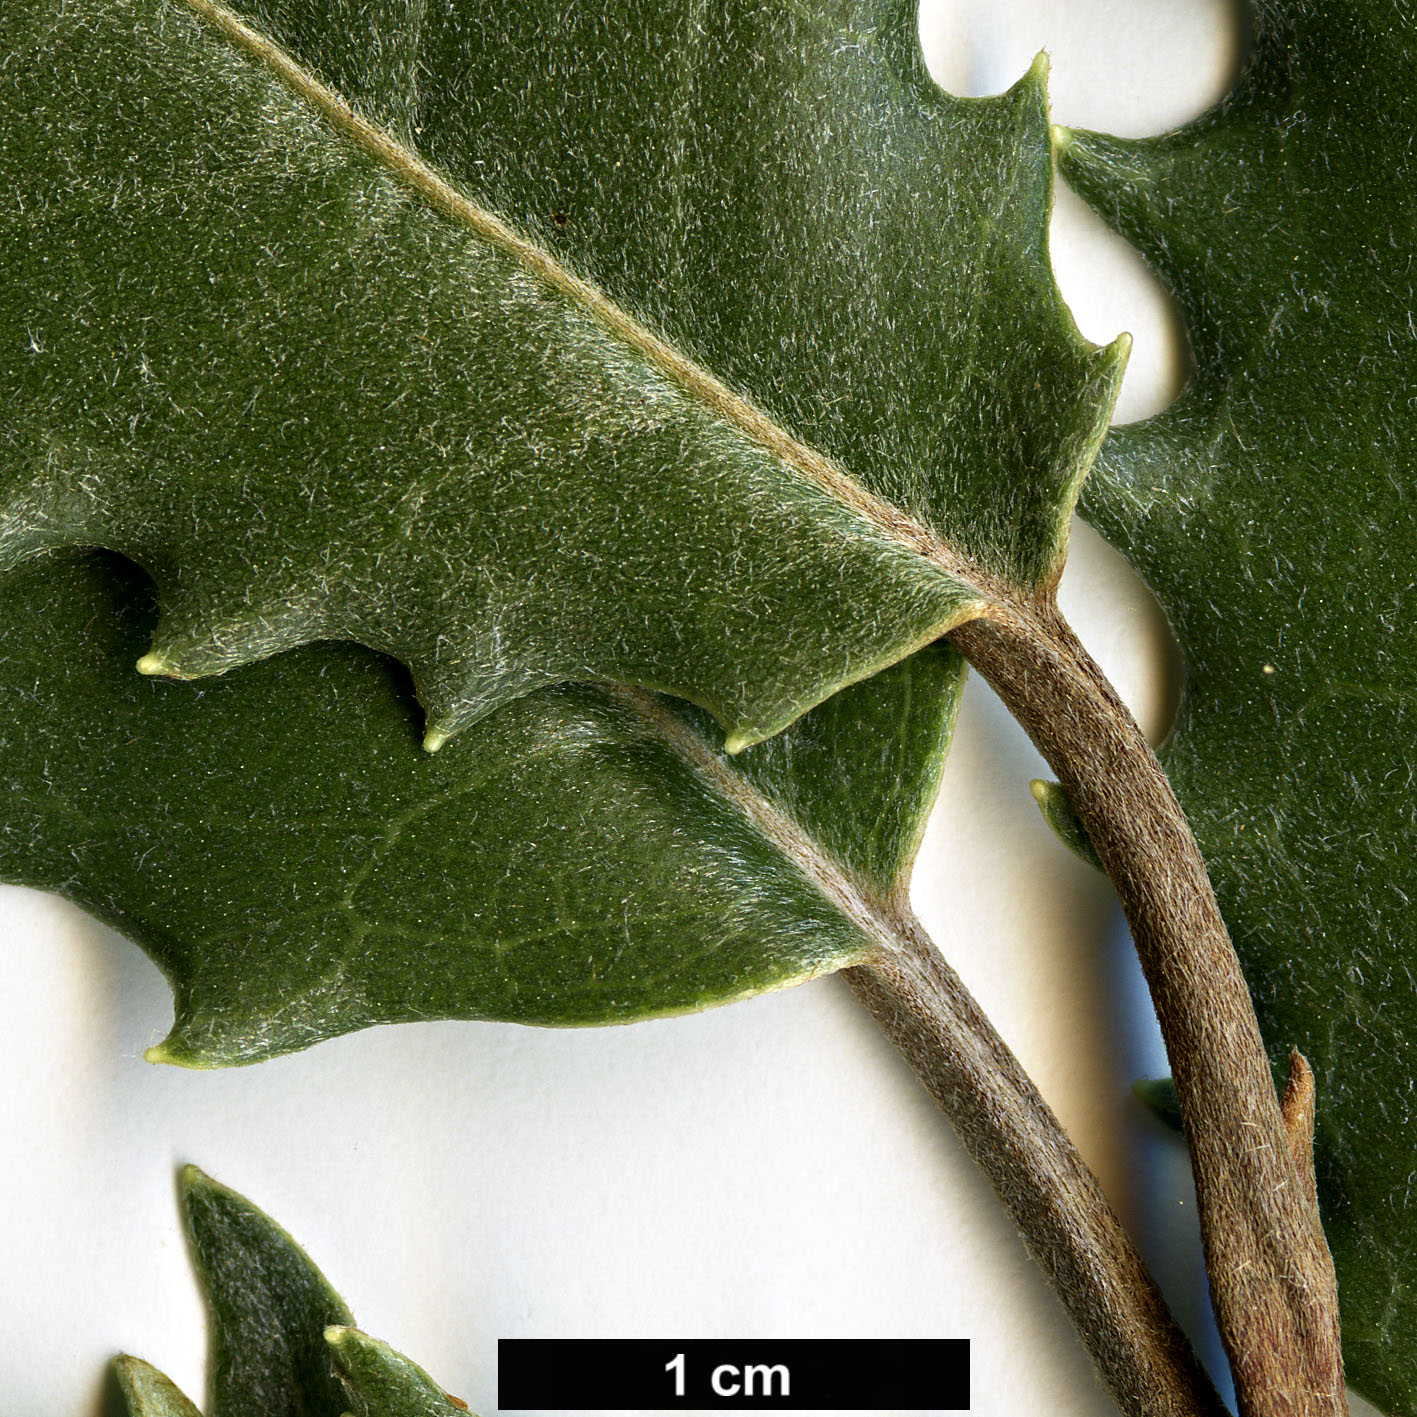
pixel 1271 1275
pixel 1045 1186
pixel 1008 1128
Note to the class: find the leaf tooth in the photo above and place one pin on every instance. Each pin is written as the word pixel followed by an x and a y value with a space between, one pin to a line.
pixel 156 666
pixel 192 1178
pixel 1121 178
pixel 456 695
pixel 1108 363
pixel 1034 82
pixel 195 636
pixel 167 1052
pixel 1130 158
pixel 148 1392
pixel 382 1380
pixel 1058 812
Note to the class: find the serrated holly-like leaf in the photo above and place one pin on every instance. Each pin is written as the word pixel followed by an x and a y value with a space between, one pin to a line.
pixel 1271 509
pixel 589 856
pixel 776 443
pixel 282 1341
pixel 280 845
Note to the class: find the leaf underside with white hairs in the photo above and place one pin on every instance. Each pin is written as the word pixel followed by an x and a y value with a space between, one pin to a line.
pixel 291 364
pixel 258 344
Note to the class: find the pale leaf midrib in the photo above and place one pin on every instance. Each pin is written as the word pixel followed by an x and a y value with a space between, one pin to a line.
pixel 822 471
pixel 876 916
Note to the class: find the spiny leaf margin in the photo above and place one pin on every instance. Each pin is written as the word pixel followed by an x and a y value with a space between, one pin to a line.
pixel 283 1344
pixel 1270 510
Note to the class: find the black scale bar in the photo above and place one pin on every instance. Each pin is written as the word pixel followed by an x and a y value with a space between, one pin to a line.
pixel 546 1375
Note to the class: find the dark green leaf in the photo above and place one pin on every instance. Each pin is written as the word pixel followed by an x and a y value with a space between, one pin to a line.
pixel 280 845
pixel 273 838
pixel 783 192
pixel 282 1344
pixel 266 352
pixel 269 1309
pixel 1272 510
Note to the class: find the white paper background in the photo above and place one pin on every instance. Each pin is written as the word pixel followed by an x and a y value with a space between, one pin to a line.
pixel 765 1170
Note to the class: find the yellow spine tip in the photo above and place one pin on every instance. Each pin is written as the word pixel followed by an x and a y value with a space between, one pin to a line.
pixel 1060 136
pixel 735 743
pixel 1040 788
pixel 1041 66
pixel 158 1054
pixel 434 739
pixel 152 663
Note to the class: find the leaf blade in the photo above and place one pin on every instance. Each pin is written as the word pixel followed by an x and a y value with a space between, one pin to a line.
pixel 306 525
pixel 282 1341
pixel 312 378
pixel 278 844
pixel 269 1308
pixel 276 919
